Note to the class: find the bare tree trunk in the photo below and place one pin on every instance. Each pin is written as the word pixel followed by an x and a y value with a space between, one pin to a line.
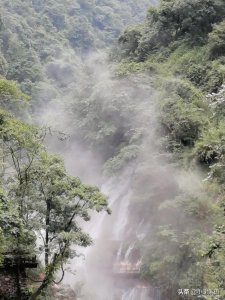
pixel 47 223
pixel 48 277
pixel 19 295
pixel 57 258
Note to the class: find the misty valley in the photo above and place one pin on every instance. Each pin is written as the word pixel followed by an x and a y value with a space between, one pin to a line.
pixel 112 149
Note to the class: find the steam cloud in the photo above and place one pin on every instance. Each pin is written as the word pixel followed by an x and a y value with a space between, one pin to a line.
pixel 87 92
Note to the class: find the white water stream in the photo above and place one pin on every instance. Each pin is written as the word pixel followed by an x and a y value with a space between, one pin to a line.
pixel 111 254
pixel 139 292
pixel 104 266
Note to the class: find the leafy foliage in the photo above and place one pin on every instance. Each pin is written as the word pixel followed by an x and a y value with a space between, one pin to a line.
pixel 181 46
pixel 37 195
pixel 216 40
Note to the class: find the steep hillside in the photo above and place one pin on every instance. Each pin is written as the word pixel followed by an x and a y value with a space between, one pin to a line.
pixel 35 32
pixel 181 47
pixel 177 56
pixel 152 110
pixel 43 44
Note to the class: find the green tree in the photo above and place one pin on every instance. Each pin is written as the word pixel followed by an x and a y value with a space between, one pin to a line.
pixel 216 41
pixel 15 237
pixel 54 202
pixel 44 200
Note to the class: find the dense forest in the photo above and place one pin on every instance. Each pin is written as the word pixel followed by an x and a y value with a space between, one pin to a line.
pixel 127 92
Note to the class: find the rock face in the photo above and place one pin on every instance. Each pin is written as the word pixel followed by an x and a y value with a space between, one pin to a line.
pixel 9 283
pixel 13 276
pixel 64 293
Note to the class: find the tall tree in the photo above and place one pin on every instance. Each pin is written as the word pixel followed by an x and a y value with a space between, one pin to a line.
pixel 41 201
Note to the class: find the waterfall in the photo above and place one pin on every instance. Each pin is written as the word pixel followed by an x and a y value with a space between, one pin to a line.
pixel 104 230
pixel 112 265
pixel 119 227
pixel 142 293
pixel 94 229
pixel 129 251
pixel 137 293
pixel 140 234
pixel 109 274
pixel 119 253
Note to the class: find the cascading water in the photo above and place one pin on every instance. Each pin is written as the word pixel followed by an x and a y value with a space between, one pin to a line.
pixel 118 229
pixel 111 267
pixel 106 231
pixel 129 251
pixel 94 229
pixel 142 292
pixel 139 292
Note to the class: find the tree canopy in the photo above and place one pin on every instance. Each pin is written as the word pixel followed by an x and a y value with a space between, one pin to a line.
pixel 40 203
